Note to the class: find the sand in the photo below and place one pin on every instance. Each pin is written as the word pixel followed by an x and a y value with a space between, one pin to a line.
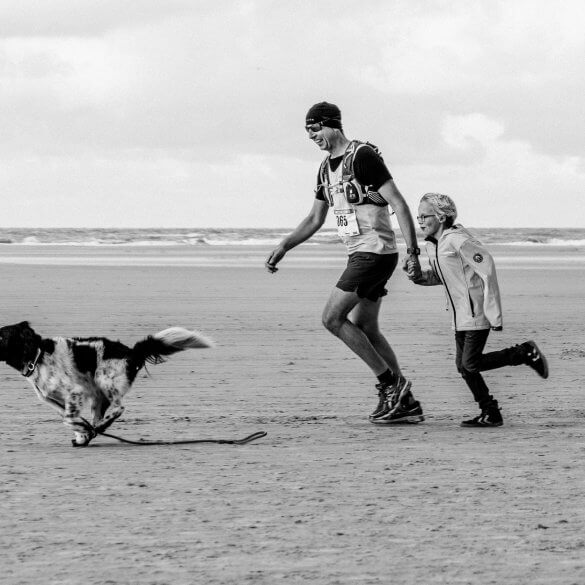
pixel 325 497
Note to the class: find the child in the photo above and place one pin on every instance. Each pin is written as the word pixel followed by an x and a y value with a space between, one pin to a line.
pixel 466 269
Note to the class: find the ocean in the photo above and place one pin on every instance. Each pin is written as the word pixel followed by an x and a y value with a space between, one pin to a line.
pixel 202 237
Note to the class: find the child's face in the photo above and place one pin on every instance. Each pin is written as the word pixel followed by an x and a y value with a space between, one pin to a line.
pixel 428 221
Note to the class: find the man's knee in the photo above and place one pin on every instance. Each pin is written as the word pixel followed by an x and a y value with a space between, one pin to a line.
pixel 332 321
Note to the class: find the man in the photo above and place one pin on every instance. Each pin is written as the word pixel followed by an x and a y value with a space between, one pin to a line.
pixel 355 182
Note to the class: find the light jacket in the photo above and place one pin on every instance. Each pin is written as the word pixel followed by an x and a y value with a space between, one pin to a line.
pixel 467 270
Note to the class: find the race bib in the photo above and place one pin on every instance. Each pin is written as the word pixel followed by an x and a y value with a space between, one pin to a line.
pixel 347 223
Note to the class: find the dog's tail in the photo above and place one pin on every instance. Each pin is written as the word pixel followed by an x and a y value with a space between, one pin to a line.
pixel 154 348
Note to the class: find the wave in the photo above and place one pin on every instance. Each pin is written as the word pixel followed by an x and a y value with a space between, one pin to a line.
pixel 544 242
pixel 112 237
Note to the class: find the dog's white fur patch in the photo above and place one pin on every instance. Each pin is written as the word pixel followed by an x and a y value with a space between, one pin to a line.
pixel 183 338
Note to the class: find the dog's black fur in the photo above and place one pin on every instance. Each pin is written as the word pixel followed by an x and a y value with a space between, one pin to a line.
pixel 69 373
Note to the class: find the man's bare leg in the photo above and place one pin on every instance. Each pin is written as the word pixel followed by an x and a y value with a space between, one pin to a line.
pixel 335 320
pixel 365 316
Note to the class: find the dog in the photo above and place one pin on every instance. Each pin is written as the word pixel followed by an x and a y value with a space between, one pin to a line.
pixel 69 373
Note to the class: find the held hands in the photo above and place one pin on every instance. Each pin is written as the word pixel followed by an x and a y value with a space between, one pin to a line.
pixel 411 266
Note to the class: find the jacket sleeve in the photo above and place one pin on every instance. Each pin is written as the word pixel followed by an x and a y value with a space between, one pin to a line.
pixel 481 262
pixel 428 278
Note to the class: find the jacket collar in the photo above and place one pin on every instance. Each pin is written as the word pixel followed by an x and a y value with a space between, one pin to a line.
pixel 453 229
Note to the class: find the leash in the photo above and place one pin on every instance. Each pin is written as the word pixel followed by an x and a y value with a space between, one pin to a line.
pixel 248 439
pixel 87 426
pixel 243 441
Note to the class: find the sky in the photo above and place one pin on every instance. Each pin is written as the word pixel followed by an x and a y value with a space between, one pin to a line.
pixel 190 113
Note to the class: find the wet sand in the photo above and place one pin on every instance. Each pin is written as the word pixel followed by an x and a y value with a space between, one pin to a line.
pixel 326 497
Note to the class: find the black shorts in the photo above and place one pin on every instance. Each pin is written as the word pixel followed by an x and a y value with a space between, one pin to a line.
pixel 367 274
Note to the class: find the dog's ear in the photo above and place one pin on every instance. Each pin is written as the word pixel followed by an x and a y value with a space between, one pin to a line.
pixel 18 344
pixel 30 339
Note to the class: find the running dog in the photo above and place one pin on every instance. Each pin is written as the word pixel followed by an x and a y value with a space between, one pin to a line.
pixel 70 373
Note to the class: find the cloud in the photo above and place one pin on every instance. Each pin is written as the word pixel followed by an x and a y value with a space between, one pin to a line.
pixel 133 98
pixel 502 182
pixel 83 18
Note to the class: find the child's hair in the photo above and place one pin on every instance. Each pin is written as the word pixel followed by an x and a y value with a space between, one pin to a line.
pixel 443 205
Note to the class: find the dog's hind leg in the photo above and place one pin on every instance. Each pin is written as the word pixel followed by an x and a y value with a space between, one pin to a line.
pixel 114 412
pixel 114 385
pixel 99 408
pixel 109 420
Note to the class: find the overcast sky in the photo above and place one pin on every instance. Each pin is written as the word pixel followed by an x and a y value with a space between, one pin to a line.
pixel 190 113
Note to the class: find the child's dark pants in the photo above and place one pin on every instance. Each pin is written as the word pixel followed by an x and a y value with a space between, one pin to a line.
pixel 471 360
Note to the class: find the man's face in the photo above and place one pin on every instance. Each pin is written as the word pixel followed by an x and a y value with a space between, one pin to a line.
pixel 320 135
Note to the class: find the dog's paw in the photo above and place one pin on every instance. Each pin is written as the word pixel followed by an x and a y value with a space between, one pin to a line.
pixel 81 439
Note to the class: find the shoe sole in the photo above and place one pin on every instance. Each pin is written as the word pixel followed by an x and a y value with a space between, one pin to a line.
pixel 376 416
pixel 480 425
pixel 411 419
pixel 543 359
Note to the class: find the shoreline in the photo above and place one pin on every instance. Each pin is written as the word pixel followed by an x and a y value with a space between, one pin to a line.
pixel 307 255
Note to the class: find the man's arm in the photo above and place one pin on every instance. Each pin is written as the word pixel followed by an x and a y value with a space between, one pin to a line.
pixel 392 195
pixel 302 232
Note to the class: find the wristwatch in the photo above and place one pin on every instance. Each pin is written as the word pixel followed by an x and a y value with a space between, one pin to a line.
pixel 413 251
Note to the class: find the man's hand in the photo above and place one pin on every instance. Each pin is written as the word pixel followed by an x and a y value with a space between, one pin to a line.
pixel 275 257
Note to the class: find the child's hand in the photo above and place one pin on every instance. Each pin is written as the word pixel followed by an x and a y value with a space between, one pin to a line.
pixel 412 268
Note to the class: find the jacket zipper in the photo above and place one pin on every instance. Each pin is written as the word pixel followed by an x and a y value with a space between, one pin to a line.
pixel 445 283
pixel 471 304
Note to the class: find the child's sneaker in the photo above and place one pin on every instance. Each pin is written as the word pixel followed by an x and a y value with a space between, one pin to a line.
pixel 489 417
pixel 533 358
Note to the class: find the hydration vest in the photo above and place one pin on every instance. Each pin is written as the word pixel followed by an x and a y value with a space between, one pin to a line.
pixel 355 193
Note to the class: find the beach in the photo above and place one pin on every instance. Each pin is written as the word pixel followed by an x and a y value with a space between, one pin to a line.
pixel 326 497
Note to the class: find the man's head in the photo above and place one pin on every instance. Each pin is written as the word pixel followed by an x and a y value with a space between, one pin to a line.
pixel 323 123
pixel 325 114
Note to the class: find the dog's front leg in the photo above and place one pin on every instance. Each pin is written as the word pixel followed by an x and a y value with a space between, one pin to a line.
pixel 50 400
pixel 72 419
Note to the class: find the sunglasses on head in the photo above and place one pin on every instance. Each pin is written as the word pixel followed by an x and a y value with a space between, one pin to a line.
pixel 318 126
